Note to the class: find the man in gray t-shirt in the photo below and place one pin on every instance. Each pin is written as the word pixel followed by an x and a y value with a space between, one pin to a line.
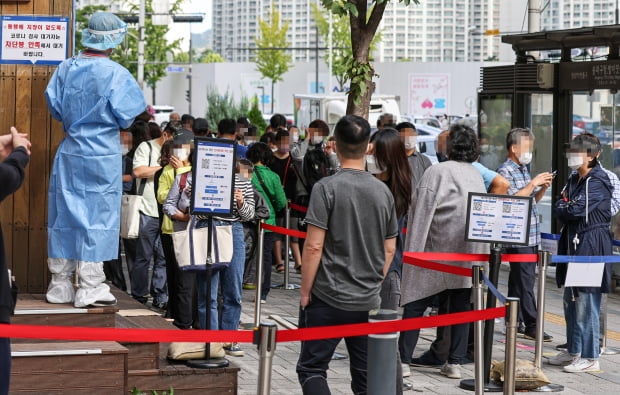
pixel 352 230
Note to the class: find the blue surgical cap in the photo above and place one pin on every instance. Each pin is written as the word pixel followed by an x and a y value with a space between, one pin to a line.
pixel 105 30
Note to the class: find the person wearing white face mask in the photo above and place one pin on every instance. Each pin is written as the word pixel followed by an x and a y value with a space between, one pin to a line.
pixel 585 211
pixel 520 144
pixel 180 284
pixel 418 161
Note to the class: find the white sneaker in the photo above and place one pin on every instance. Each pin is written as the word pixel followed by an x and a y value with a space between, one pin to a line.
pixel 451 370
pixel 406 370
pixel 583 365
pixel 563 359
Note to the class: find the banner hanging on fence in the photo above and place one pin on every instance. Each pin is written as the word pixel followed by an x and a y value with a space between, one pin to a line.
pixel 33 40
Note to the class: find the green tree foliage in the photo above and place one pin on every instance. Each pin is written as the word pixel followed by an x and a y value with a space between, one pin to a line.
pixel 364 17
pixel 255 116
pixel 224 106
pixel 341 54
pixel 272 63
pixel 156 47
pixel 210 56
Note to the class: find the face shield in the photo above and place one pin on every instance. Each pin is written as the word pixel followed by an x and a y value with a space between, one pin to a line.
pixel 105 30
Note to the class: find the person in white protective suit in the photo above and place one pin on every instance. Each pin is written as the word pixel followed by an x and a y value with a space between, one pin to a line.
pixel 94 98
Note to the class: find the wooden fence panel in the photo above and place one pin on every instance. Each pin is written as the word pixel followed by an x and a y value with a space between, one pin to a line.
pixel 22 104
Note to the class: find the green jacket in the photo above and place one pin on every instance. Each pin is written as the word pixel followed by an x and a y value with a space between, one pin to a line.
pixel 272 192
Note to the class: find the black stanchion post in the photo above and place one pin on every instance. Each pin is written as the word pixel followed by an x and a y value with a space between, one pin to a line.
pixel 381 363
pixel 512 323
pixel 266 350
pixel 259 273
pixel 495 260
pixel 287 245
pixel 478 329
pixel 208 362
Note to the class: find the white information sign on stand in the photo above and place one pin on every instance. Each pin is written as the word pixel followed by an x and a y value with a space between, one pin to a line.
pixel 498 218
pixel 33 39
pixel 213 175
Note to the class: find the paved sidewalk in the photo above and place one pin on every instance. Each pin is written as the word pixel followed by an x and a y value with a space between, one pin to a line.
pixel 284 303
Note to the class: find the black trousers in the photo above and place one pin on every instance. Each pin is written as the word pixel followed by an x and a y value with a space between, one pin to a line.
pixel 458 300
pixel 180 287
pixel 5 365
pixel 521 282
pixel 268 239
pixel 113 270
pixel 315 355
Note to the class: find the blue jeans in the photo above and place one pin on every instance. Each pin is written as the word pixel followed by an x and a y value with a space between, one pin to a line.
pixel 582 323
pixel 230 281
pixel 149 246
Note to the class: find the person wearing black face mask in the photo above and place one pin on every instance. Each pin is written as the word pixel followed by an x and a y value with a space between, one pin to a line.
pixel 282 165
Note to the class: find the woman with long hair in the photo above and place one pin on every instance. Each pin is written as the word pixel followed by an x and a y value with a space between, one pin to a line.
pixel 387 160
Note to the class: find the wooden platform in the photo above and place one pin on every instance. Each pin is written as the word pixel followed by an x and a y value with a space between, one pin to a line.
pixel 140 365
pixel 69 368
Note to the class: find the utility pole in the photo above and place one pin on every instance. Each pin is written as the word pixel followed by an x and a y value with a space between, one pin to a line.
pixel 141 23
pixel 533 20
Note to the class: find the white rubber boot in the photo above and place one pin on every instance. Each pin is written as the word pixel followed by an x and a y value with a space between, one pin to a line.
pixel 93 290
pixel 60 288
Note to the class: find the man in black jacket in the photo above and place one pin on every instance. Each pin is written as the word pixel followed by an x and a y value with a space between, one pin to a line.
pixel 15 150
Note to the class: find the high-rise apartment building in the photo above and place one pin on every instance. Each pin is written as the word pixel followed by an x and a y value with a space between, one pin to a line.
pixel 235 26
pixel 568 14
pixel 434 30
pixel 440 31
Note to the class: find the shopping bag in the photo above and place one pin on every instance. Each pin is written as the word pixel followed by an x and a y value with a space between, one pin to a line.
pixel 190 247
pixel 130 216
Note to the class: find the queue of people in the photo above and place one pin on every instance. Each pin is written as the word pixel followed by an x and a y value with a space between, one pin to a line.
pixel 360 191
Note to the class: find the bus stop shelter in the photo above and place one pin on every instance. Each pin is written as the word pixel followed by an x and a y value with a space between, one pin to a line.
pixel 563 83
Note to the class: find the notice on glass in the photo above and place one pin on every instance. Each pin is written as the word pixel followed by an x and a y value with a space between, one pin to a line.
pixel 498 218
pixel 213 173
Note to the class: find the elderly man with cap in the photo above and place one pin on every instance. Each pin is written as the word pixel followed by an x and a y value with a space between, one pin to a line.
pixel 94 98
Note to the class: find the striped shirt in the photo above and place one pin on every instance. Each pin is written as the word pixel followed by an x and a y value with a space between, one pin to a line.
pixel 246 212
pixel 519 177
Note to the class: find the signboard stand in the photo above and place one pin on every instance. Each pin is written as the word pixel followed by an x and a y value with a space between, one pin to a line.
pixel 213 177
pixel 498 219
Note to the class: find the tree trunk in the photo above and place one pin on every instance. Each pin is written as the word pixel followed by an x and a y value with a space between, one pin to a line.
pixel 363 30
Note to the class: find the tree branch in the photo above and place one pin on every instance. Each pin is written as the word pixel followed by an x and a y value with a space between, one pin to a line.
pixel 376 16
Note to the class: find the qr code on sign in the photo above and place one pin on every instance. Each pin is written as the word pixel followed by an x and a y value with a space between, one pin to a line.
pixel 506 209
pixel 205 163
pixel 477 205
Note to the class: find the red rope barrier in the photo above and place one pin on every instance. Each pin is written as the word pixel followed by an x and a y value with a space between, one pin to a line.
pixel 440 267
pixel 297 207
pixel 325 332
pixel 284 231
pixel 228 336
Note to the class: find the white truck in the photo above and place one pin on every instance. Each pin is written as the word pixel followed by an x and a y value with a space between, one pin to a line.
pixel 331 107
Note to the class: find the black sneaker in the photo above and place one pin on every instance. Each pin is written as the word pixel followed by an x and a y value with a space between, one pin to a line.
pixel 562 347
pixel 425 361
pixel 531 335
pixel 407 387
